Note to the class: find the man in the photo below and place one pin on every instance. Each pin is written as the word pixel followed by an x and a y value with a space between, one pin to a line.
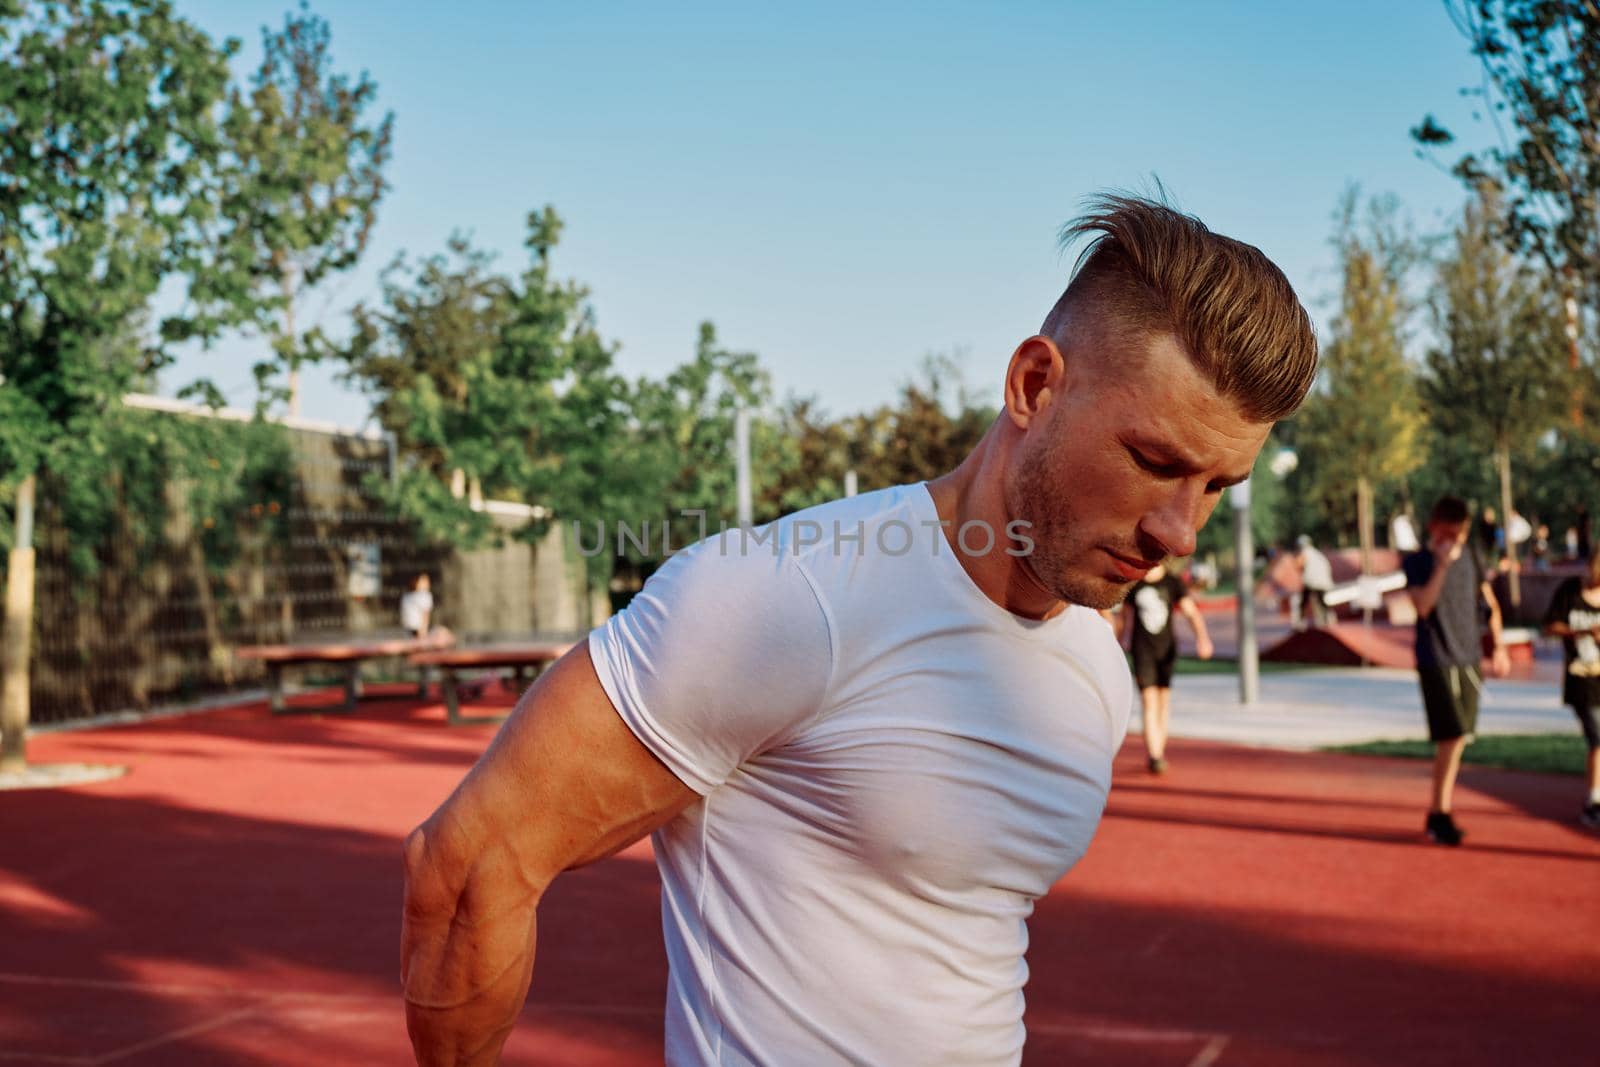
pixel 1574 616
pixel 1151 637
pixel 416 607
pixel 1446 582
pixel 868 744
pixel 1316 578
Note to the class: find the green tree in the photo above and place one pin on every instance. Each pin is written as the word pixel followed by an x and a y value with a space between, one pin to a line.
pixel 1541 64
pixel 1361 423
pixel 1494 377
pixel 303 191
pixel 684 429
pixel 492 386
pixel 110 148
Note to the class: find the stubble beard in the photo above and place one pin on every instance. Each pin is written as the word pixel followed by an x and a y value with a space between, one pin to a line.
pixel 1029 496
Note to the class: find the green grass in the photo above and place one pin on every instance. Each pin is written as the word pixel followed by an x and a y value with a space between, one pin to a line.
pixel 1228 666
pixel 1545 753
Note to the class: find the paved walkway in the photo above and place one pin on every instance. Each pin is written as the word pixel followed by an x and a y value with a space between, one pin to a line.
pixel 1332 706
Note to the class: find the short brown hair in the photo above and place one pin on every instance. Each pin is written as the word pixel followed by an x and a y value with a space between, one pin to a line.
pixel 1155 269
pixel 1450 510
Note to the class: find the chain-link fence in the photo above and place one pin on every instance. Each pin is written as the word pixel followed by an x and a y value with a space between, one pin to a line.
pixel 151 617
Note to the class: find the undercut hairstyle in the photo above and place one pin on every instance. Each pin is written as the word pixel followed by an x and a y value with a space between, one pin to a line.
pixel 1149 269
pixel 1450 510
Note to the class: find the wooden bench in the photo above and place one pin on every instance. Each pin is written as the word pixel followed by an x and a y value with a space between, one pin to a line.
pixel 348 654
pixel 525 659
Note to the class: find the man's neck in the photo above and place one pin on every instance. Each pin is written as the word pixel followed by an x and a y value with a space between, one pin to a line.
pixel 974 492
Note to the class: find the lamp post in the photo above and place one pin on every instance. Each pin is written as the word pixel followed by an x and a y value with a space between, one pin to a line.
pixel 1244 551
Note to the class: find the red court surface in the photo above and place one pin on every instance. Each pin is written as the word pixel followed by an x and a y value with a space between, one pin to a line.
pixel 233 901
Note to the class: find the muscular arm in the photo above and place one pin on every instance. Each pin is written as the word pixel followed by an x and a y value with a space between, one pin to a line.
pixel 564 783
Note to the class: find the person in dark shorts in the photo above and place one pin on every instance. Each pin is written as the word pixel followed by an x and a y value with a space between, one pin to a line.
pixel 1149 634
pixel 1574 616
pixel 1446 583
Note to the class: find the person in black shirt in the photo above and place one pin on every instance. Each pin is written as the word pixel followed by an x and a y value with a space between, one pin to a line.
pixel 1574 616
pixel 1446 583
pixel 1148 632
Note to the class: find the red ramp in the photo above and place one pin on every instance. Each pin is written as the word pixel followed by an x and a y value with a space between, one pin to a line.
pixel 1347 644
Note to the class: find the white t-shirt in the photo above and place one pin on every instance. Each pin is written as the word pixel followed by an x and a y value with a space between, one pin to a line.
pixel 893 768
pixel 415 607
pixel 1317 572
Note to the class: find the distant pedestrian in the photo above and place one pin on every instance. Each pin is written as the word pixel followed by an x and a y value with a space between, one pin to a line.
pixel 1446 583
pixel 1539 551
pixel 416 607
pixel 1151 638
pixel 1403 533
pixel 1489 536
pixel 1316 578
pixel 1574 616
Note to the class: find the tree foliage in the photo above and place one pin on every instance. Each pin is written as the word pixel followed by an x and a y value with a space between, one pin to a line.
pixel 506 381
pixel 1541 62
pixel 1494 377
pixel 303 188
pixel 1361 424
pixel 110 153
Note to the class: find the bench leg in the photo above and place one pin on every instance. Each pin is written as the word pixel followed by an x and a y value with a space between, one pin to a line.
pixel 352 685
pixel 452 699
pixel 275 688
pixel 424 675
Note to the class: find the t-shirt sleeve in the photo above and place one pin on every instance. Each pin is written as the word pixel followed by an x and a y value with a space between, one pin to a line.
pixel 724 653
pixel 1418 568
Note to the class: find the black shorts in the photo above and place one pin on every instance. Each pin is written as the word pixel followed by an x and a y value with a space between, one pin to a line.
pixel 1153 667
pixel 1583 694
pixel 1450 697
pixel 1586 720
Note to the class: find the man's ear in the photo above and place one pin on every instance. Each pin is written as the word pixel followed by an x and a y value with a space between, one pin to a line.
pixel 1034 379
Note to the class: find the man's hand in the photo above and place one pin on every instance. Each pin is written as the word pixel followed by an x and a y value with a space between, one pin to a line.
pixel 1447 550
pixel 462 994
pixel 1203 647
pixel 1500 662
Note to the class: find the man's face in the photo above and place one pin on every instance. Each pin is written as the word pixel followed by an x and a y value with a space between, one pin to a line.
pixel 1447 533
pixel 1123 467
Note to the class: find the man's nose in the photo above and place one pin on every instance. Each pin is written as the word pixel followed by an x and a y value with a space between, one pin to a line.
pixel 1175 521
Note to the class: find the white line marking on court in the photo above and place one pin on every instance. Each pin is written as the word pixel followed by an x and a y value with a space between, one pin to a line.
pixel 1211 1053
pixel 178 1035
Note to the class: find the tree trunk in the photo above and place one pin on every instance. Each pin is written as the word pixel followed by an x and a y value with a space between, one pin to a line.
pixel 17 646
pixel 1502 460
pixel 1364 522
pixel 286 281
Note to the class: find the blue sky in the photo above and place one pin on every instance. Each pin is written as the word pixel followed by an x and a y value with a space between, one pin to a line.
pixel 845 188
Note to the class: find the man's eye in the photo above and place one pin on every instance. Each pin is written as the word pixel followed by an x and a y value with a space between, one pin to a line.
pixel 1164 470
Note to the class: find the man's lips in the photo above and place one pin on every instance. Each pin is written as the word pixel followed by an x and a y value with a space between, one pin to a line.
pixel 1129 567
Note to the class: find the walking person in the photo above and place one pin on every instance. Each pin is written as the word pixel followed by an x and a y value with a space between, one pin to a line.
pixel 1316 579
pixel 1149 634
pixel 1446 584
pixel 1574 616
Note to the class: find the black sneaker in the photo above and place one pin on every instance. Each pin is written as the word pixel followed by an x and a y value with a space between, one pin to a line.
pixel 1442 829
pixel 1591 815
pixel 1157 765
